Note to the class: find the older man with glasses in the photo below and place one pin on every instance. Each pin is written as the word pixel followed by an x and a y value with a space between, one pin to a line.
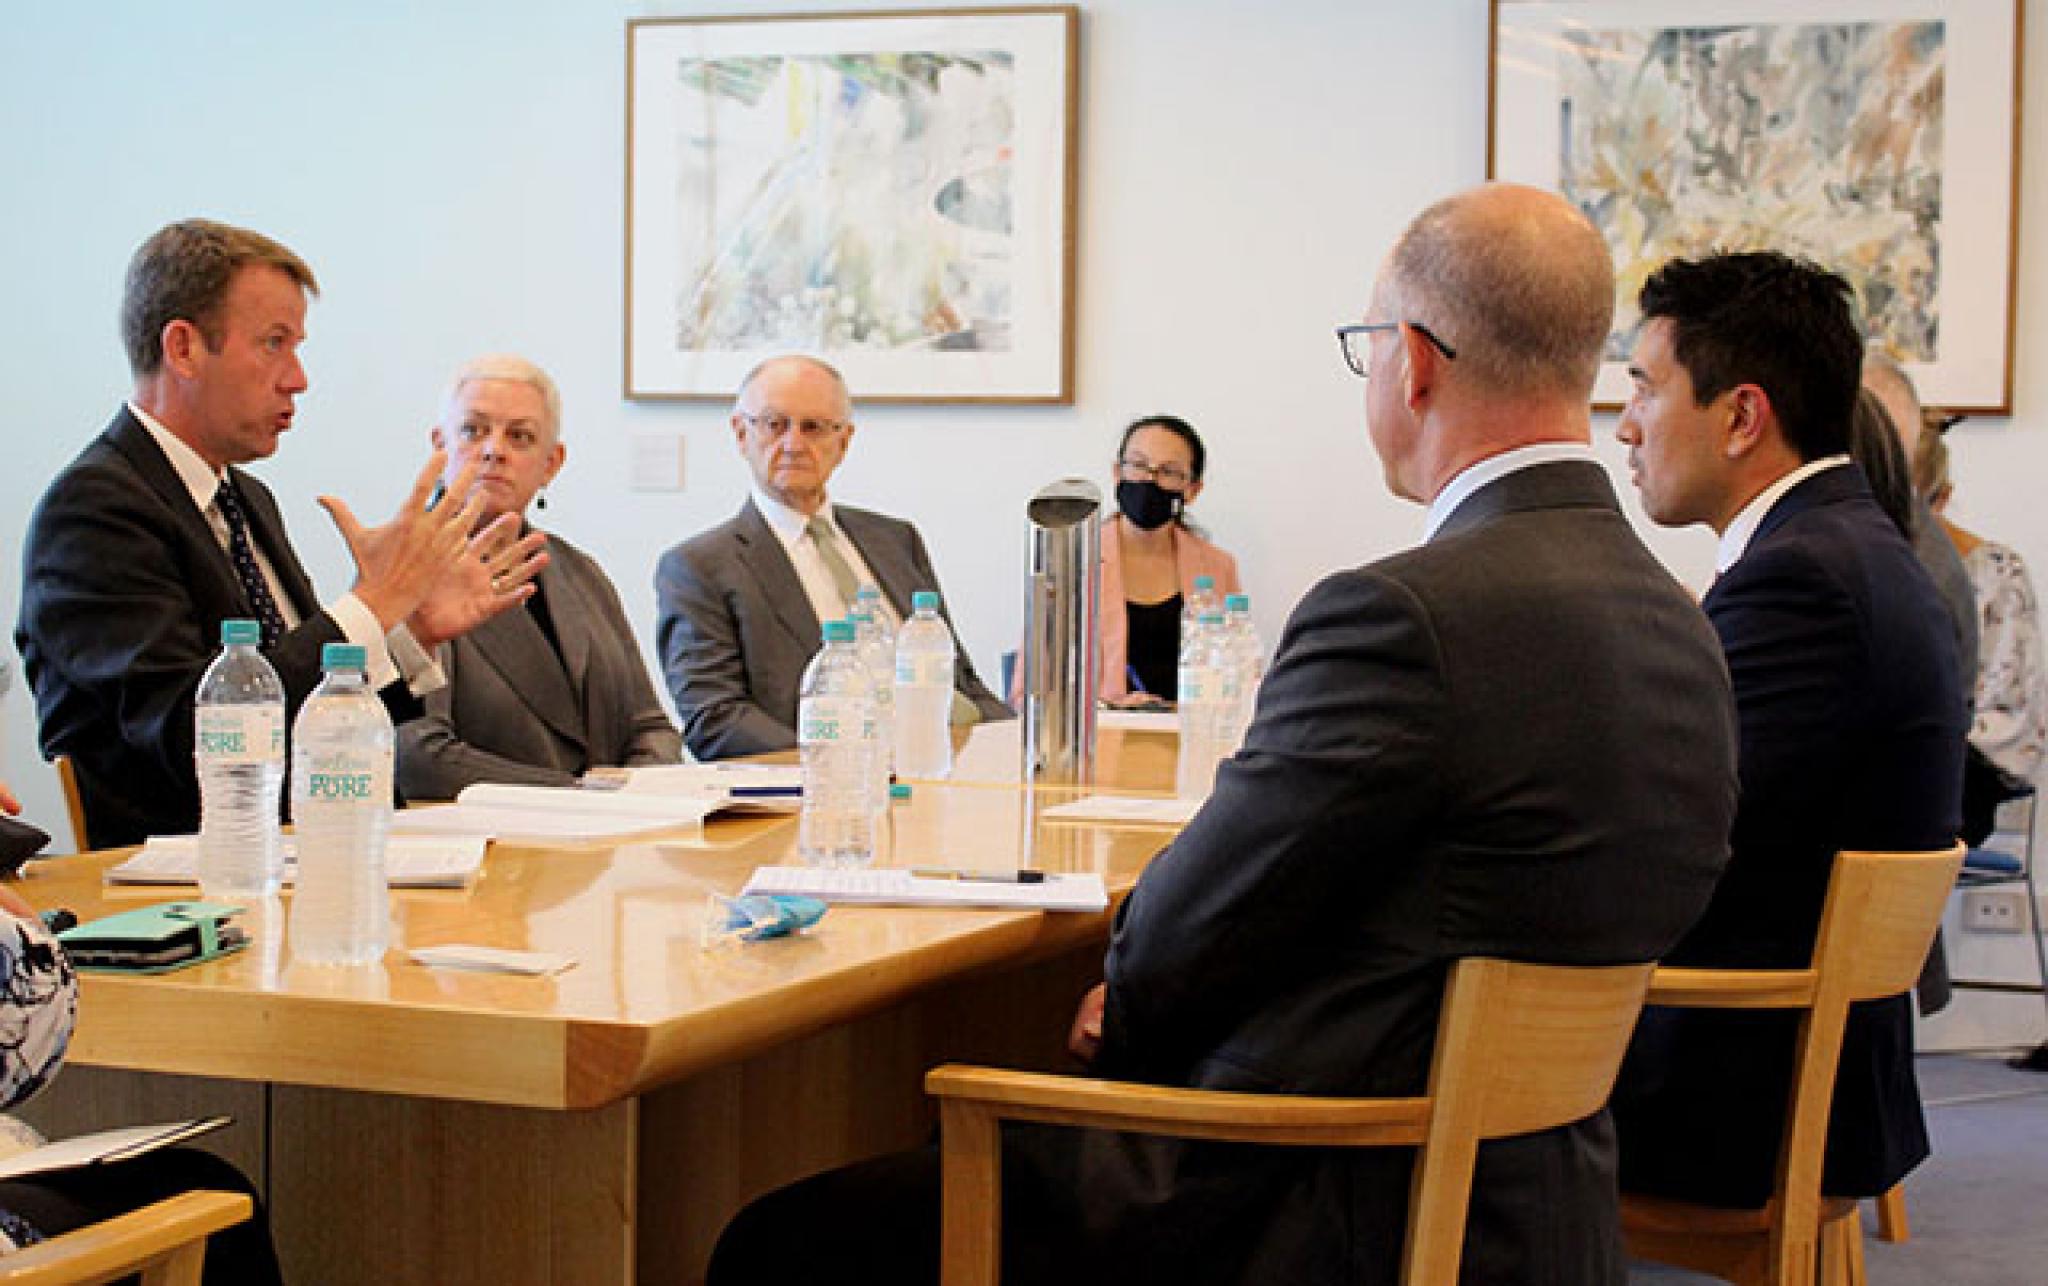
pixel 741 604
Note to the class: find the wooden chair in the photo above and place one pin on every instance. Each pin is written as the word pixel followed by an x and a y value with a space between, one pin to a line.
pixel 165 1242
pixel 1519 1048
pixel 67 777
pixel 1875 928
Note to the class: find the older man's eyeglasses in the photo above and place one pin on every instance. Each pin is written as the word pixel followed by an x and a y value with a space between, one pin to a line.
pixel 1351 340
pixel 773 424
pixel 1137 469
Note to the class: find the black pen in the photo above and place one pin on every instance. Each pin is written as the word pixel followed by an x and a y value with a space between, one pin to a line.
pixel 764 792
pixel 979 877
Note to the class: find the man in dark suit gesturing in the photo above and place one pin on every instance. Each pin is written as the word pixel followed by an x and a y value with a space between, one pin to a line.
pixel 1515 739
pixel 741 604
pixel 1851 712
pixel 154 535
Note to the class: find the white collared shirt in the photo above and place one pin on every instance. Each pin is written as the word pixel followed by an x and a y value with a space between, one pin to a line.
pixel 1495 467
pixel 793 530
pixel 388 655
pixel 1735 540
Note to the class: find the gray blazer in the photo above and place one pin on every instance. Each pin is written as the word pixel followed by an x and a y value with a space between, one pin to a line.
pixel 516 711
pixel 735 628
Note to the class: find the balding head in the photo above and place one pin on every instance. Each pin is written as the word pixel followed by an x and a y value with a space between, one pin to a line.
pixel 1893 387
pixel 1516 281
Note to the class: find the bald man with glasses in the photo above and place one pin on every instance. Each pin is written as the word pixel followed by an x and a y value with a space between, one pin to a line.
pixel 741 605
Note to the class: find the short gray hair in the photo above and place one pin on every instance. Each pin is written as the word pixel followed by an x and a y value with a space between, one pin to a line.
pixel 513 369
pixel 1517 282
pixel 1878 368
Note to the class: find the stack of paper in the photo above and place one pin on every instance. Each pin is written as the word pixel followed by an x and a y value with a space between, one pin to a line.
pixel 554 813
pixel 409 863
pixel 1171 811
pixel 901 888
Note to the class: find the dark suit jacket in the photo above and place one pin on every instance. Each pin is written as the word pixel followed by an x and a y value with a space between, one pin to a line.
pixel 517 710
pixel 123 589
pixel 736 629
pixel 1851 711
pixel 1515 740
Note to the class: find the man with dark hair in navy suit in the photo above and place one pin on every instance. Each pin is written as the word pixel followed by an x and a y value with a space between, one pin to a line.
pixel 1849 701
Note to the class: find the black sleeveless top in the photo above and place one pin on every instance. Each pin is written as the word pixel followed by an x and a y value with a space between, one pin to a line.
pixel 1153 647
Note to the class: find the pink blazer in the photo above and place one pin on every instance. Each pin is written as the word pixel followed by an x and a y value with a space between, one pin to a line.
pixel 1192 556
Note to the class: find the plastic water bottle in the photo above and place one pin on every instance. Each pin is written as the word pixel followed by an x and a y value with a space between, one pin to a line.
pixel 341 808
pixel 1202 602
pixel 1204 702
pixel 238 745
pixel 836 730
pixel 1248 660
pixel 876 644
pixel 924 691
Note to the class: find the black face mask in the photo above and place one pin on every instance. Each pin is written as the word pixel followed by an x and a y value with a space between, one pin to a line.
pixel 1146 504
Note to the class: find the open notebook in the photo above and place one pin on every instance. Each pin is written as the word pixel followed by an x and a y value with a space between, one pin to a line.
pixel 570 813
pixel 868 886
pixel 410 862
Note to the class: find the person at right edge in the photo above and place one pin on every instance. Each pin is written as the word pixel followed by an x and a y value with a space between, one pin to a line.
pixel 1515 739
pixel 1849 700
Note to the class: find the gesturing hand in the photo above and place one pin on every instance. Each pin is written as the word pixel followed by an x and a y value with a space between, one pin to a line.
pixel 399 563
pixel 495 572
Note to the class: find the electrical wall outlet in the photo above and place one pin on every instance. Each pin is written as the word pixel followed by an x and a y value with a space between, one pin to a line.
pixel 1995 910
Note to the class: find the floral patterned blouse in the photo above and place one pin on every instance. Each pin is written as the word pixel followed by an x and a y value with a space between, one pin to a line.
pixel 38 1006
pixel 2011 725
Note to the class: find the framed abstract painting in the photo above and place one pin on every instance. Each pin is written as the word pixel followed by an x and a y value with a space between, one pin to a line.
pixel 1875 137
pixel 891 191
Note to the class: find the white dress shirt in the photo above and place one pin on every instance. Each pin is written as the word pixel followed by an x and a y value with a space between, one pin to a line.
pixel 793 530
pixel 1495 467
pixel 1735 540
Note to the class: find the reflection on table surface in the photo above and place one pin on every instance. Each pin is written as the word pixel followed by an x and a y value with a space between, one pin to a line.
pixel 1126 759
pixel 646 1001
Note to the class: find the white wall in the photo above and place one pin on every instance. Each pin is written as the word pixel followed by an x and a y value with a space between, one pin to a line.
pixel 454 173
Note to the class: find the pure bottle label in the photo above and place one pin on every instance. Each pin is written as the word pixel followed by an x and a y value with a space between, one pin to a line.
pixel 833 719
pixel 240 734
pixel 341 777
pixel 924 671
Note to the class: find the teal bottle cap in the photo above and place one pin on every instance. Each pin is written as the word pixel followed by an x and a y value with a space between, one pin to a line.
pixel 899 790
pixel 1238 603
pixel 924 600
pixel 839 631
pixel 236 632
pixel 344 656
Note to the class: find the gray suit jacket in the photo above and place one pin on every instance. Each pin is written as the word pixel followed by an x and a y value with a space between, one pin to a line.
pixel 736 629
pixel 1516 740
pixel 516 711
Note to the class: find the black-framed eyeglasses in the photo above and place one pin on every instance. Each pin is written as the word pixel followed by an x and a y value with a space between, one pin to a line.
pixel 1350 342
pixel 773 424
pixel 1171 476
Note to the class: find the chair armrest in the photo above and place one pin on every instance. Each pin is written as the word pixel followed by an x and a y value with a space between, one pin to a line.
pixel 1732 988
pixel 1204 1114
pixel 126 1242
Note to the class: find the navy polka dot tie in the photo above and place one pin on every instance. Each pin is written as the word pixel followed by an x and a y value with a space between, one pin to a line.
pixel 243 555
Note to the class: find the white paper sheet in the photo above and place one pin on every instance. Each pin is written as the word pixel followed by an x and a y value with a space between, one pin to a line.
pixel 866 886
pixel 410 862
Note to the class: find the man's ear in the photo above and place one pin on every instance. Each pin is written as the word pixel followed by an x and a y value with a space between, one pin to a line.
pixel 1750 420
pixel 1421 368
pixel 181 342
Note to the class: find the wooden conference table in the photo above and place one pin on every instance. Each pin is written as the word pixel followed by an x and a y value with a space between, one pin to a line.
pixel 601 1125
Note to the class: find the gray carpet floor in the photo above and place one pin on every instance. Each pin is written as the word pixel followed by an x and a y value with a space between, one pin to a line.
pixel 1979 1205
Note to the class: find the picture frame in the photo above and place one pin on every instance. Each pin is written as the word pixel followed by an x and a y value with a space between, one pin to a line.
pixel 891 191
pixel 1878 138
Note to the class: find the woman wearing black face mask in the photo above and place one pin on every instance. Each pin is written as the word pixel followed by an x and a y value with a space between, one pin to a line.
pixel 1150 560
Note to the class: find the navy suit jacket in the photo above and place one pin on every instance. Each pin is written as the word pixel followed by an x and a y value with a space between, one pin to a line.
pixel 123 589
pixel 736 630
pixel 1515 740
pixel 1850 701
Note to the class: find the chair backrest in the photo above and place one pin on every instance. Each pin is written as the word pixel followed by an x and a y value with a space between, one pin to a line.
pixel 1875 930
pixel 74 804
pixel 1519 1048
